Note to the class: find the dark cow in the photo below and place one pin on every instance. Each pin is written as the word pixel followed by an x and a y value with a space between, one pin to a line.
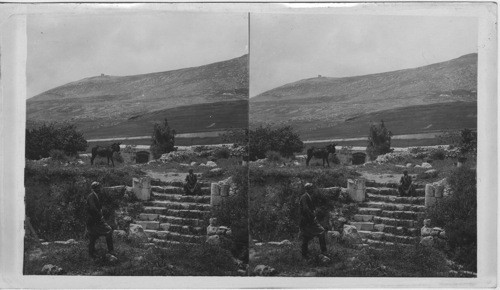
pixel 105 152
pixel 321 153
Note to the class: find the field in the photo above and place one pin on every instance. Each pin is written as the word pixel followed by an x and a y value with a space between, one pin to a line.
pixel 406 120
pixel 186 119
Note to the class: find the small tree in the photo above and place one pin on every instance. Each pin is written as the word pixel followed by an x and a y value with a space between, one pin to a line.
pixel 43 138
pixel 163 139
pixel 379 140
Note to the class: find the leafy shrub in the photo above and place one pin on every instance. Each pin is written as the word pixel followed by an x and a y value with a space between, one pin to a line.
pixel 58 155
pixel 273 156
pixel 222 153
pixel 379 140
pixel 282 139
pixel 437 154
pixel 457 213
pixel 43 138
pixel 163 139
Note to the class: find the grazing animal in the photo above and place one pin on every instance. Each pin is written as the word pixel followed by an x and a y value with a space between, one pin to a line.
pixel 105 152
pixel 321 153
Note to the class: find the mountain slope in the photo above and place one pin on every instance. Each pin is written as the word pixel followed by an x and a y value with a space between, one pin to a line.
pixel 326 102
pixel 104 101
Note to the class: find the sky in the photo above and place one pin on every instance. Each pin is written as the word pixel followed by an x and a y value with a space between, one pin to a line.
pixel 286 48
pixel 67 48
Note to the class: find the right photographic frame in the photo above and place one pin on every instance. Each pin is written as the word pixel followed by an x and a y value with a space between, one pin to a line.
pixel 365 149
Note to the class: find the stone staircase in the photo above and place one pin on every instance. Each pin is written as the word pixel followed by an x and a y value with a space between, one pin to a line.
pixel 171 217
pixel 384 219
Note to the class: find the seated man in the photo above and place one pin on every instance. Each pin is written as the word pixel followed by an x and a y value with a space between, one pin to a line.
pixel 405 185
pixel 191 187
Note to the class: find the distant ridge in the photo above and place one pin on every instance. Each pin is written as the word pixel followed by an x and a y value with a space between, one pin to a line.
pixel 105 101
pixel 315 104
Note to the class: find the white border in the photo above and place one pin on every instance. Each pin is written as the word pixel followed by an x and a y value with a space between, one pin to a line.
pixel 12 113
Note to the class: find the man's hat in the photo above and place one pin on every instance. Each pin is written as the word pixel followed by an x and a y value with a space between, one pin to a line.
pixel 95 184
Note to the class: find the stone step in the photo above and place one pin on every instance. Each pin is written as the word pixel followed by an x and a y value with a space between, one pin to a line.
pixel 183 213
pixel 375 243
pixel 393 206
pixel 363 226
pixel 401 231
pixel 166 243
pixel 177 189
pixel 174 236
pixel 396 199
pixel 369 211
pixel 371 183
pixel 183 229
pixel 392 191
pixel 387 237
pixel 177 183
pixel 183 221
pixel 363 217
pixel 395 222
pixel 411 215
pixel 149 225
pixel 181 197
pixel 179 205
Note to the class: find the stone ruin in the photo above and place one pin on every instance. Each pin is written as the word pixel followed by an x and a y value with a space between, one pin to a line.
pixel 432 236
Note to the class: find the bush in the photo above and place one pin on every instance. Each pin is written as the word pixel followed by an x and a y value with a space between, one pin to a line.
pixel 56 196
pixel 234 214
pixel 58 155
pixel 41 139
pixel 457 214
pixel 282 139
pixel 437 154
pixel 425 175
pixel 274 196
pixel 379 140
pixel 465 140
pixel 222 153
pixel 163 140
pixel 273 156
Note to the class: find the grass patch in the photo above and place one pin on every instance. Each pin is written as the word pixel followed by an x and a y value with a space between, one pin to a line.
pixel 414 261
pixel 202 260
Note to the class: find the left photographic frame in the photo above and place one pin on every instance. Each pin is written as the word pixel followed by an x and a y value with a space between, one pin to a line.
pixel 129 114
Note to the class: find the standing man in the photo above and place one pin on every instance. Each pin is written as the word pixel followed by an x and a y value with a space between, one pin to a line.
pixel 96 226
pixel 405 185
pixel 309 226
